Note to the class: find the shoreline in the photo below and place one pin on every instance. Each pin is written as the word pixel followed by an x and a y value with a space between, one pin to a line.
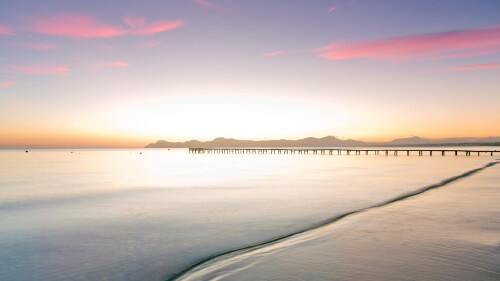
pixel 206 263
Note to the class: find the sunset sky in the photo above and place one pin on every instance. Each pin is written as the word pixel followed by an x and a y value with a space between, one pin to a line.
pixel 129 72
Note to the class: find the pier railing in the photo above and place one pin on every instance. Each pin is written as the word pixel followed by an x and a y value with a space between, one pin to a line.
pixel 344 151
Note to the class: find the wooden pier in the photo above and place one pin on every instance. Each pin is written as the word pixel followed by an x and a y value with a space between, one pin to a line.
pixel 345 151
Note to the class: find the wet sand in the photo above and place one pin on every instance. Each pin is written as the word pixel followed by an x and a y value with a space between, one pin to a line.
pixel 448 233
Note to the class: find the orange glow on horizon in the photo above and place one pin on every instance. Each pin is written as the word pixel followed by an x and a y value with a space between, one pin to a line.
pixel 205 117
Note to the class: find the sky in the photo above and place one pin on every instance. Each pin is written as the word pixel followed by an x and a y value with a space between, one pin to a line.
pixel 127 73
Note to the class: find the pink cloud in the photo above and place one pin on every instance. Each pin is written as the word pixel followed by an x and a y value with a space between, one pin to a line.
pixel 85 26
pixel 332 9
pixel 5 30
pixel 76 25
pixel 111 64
pixel 205 4
pixel 151 44
pixel 475 66
pixel 487 50
pixel 134 21
pixel 156 27
pixel 7 83
pixel 48 69
pixel 414 46
pixel 273 53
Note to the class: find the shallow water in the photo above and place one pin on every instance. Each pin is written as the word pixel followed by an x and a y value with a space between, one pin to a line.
pixel 123 215
pixel 450 233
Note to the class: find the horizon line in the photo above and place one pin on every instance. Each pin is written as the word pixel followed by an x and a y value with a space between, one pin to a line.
pixel 373 143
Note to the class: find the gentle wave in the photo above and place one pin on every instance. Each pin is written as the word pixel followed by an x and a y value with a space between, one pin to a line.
pixel 216 261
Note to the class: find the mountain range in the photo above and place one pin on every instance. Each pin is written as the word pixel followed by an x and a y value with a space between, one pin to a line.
pixel 329 141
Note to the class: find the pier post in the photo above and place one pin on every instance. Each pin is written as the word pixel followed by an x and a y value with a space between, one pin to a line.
pixel 323 151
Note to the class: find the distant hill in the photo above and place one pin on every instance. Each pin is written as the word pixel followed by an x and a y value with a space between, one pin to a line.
pixel 224 142
pixel 418 141
pixel 408 141
pixel 328 141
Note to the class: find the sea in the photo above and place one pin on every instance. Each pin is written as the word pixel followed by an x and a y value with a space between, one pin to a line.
pixel 167 214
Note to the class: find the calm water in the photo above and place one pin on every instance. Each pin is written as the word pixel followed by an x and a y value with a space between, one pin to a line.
pixel 122 215
pixel 451 233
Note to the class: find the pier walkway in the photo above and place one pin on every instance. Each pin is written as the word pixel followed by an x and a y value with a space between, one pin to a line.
pixel 345 151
